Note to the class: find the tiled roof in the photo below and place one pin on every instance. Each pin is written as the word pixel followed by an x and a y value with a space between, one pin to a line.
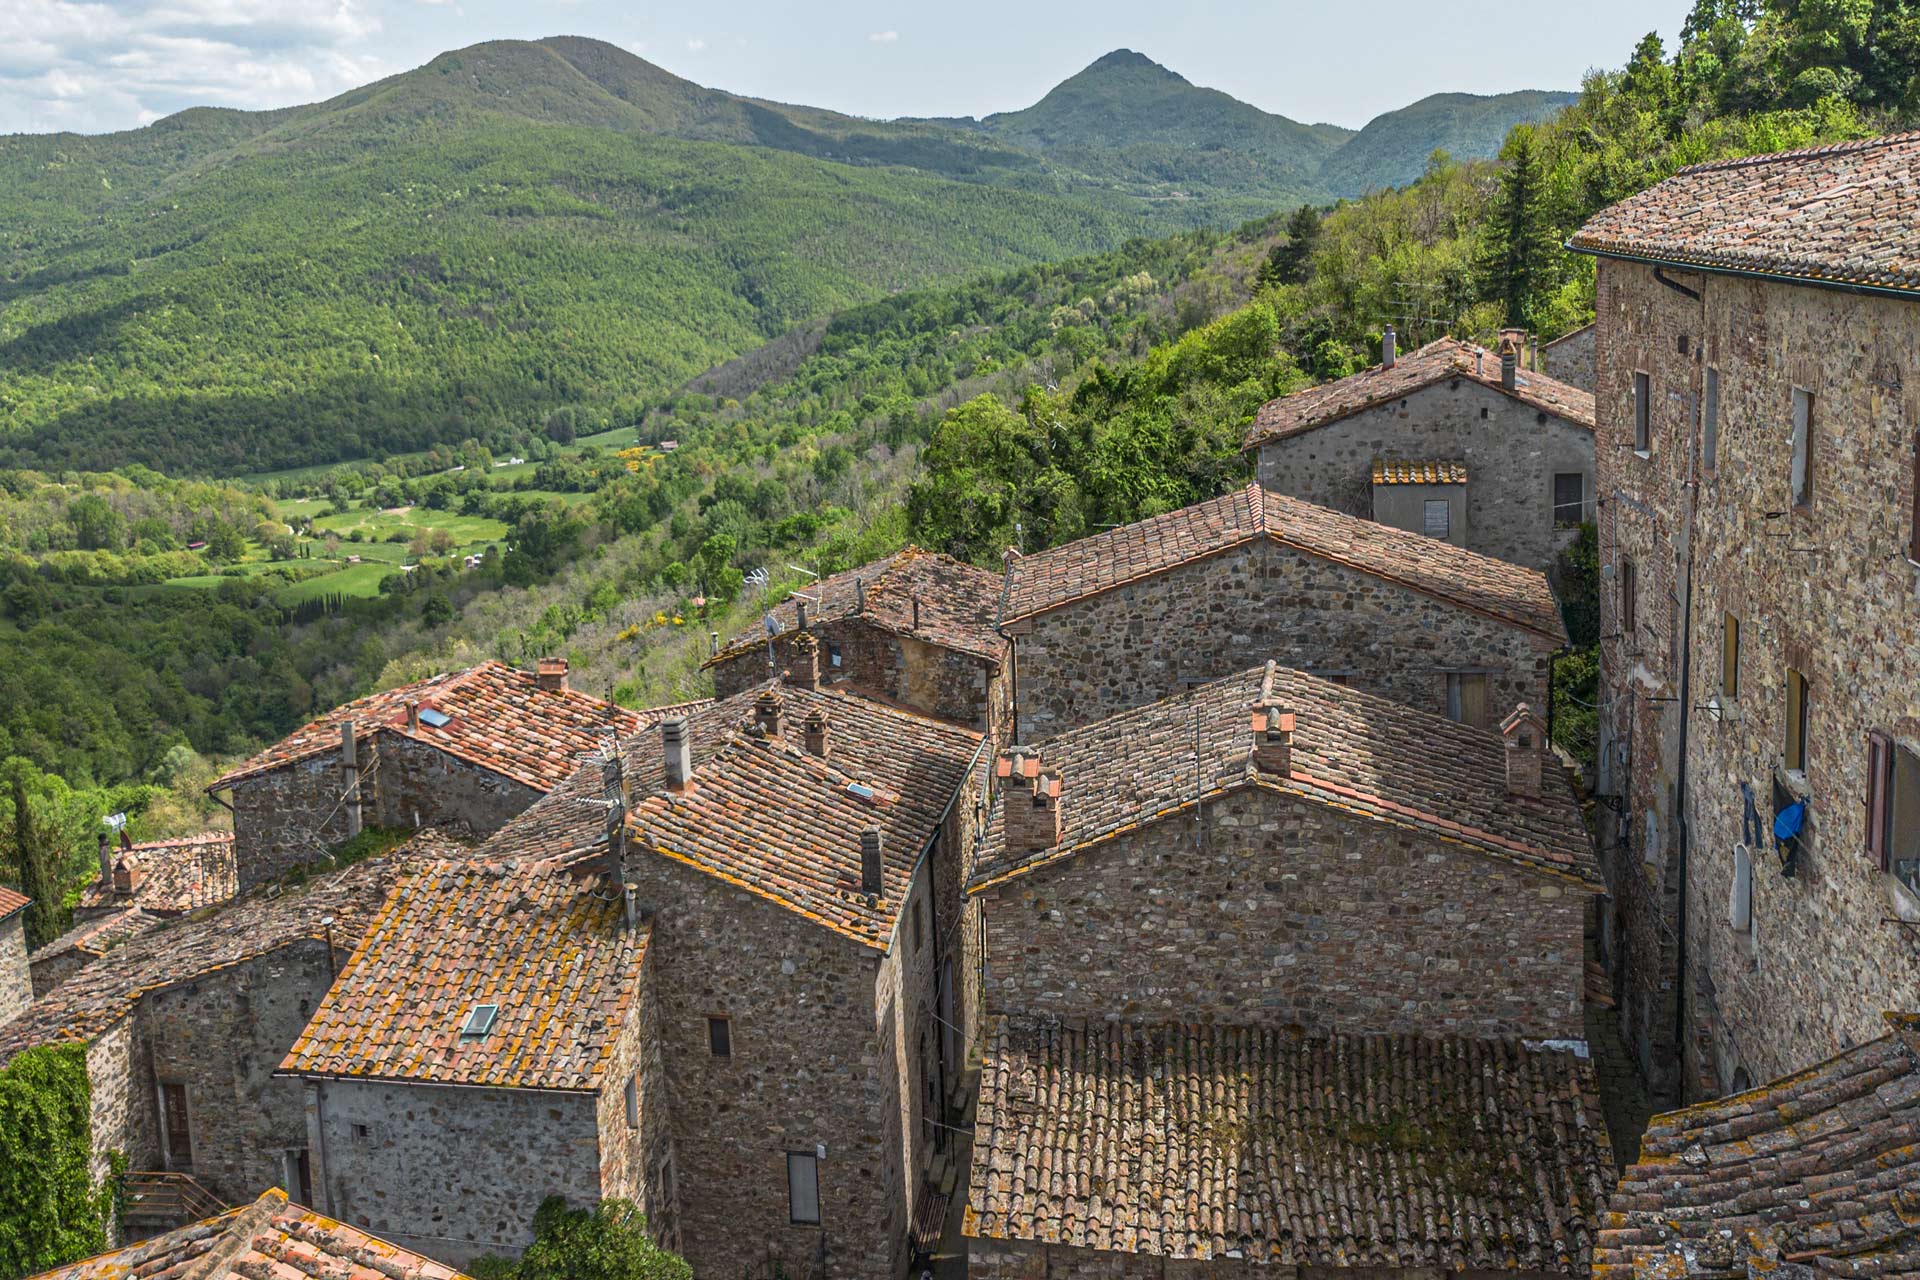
pixel 1819 1169
pixel 98 996
pixel 270 1239
pixel 545 945
pixel 1353 750
pixel 176 876
pixel 1398 471
pixel 1842 214
pixel 1048 579
pixel 1439 361
pixel 499 719
pixel 765 815
pixel 956 604
pixel 12 900
pixel 99 935
pixel 1212 1142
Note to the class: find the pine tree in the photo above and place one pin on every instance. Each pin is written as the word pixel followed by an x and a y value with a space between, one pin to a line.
pixel 1519 257
pixel 1287 263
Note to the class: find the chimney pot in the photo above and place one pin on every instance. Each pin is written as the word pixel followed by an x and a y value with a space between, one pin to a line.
pixel 803 669
pixel 801 605
pixel 551 675
pixel 127 875
pixel 713 644
pixel 766 712
pixel 679 754
pixel 870 846
pixel 814 729
pixel 1526 741
pixel 1273 740
pixel 413 717
pixel 1389 348
pixel 1509 361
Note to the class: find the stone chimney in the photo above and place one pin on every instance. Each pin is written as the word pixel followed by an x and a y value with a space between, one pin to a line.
pixel 766 712
pixel 413 717
pixel 1389 348
pixel 679 754
pixel 1273 740
pixel 127 875
pixel 1509 363
pixel 1526 739
pixel 814 730
pixel 803 665
pixel 800 606
pixel 551 675
pixel 106 859
pixel 859 595
pixel 871 883
pixel 1029 801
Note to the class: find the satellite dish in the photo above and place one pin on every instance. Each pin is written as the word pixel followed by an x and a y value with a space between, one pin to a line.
pixel 114 821
pixel 773 625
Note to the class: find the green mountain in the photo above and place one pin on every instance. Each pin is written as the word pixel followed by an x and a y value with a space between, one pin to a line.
pixel 1393 149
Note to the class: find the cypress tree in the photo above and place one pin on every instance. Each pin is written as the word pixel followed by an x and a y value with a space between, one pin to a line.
pixel 1518 260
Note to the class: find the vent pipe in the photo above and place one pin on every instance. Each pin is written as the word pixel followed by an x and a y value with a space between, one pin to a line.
pixel 1389 348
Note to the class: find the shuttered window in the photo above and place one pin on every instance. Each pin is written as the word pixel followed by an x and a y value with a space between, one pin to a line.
pixel 1879 798
pixel 1797 713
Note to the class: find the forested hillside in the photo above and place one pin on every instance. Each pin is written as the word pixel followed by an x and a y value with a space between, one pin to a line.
pixel 1394 148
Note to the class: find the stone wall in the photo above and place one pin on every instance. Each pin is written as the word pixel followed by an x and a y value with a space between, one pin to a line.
pixel 222 1037
pixel 1232 611
pixel 17 988
pixel 1512 451
pixel 49 971
pixel 124 1104
pixel 1292 913
pixel 451 1172
pixel 1570 358
pixel 287 818
pixel 417 785
pixel 1828 590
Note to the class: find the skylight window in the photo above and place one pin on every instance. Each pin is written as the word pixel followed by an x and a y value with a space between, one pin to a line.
pixel 479 1022
pixel 435 719
pixel 861 791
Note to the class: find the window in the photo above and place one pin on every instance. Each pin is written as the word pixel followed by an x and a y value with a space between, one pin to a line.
pixel 633 1102
pixel 1629 601
pixel 1642 416
pixel 919 924
pixel 720 1037
pixel 479 1022
pixel 1710 421
pixel 1467 698
pixel 1439 518
pixel 1797 700
pixel 803 1187
pixel 1730 657
pixel 1740 902
pixel 173 1120
pixel 1913 544
pixel 1569 499
pixel 1893 810
pixel 1802 447
pixel 833 656
pixel 360 1132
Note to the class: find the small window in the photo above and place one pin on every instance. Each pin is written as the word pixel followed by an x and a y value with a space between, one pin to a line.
pixel 1900 816
pixel 1797 712
pixel 1569 499
pixel 833 656
pixel 919 924
pixel 720 1037
pixel 1439 518
pixel 360 1132
pixel 177 1131
pixel 434 719
pixel 1629 601
pixel 1730 657
pixel 633 1102
pixel 803 1187
pixel 1467 698
pixel 1802 447
pixel 1642 415
pixel 479 1022
pixel 1710 421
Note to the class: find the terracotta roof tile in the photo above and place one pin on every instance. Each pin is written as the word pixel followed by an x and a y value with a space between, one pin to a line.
pixel 1351 750
pixel 545 945
pixel 101 934
pixel 1047 580
pixel 1438 361
pixel 268 1238
pixel 12 900
pixel 1399 471
pixel 957 602
pixel 1212 1142
pixel 176 951
pixel 1840 214
pixel 1821 1168
pixel 173 876
pixel 498 719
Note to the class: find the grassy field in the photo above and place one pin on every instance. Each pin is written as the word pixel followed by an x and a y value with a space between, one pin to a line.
pixel 353 580
pixel 377 526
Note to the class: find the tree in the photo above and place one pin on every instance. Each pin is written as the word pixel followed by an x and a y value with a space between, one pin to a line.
pixel 606 1242
pixel 36 865
pixel 1290 262
pixel 96 526
pixel 1520 253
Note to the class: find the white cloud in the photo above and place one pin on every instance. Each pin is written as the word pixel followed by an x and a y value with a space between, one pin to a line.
pixel 884 37
pixel 73 64
pixel 696 44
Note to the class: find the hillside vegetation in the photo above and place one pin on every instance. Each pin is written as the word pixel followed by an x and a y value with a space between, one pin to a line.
pixel 1394 148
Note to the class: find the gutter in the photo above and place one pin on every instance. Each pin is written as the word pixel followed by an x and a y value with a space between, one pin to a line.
pixel 1744 273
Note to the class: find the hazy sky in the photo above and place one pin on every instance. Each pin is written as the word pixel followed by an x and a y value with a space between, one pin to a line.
pixel 94 65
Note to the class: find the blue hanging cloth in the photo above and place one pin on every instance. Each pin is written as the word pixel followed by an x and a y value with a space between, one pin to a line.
pixel 1786 823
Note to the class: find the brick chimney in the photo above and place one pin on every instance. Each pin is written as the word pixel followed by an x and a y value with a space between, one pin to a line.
pixel 766 712
pixel 127 875
pixel 803 661
pixel 679 754
pixel 1509 362
pixel 1526 739
pixel 551 675
pixel 871 883
pixel 1029 800
pixel 1389 348
pixel 814 730
pixel 1273 740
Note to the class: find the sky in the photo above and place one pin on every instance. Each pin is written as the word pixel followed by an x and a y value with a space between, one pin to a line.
pixel 94 66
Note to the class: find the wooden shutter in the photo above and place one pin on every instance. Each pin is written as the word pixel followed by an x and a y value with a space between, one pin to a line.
pixel 1879 795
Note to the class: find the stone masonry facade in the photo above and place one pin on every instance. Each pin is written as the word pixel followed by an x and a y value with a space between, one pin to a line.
pixel 1570 357
pixel 1826 589
pixel 16 977
pixel 1274 910
pixel 1236 609
pixel 1512 451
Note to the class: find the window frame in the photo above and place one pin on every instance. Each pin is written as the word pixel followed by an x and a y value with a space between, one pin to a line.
pixel 1643 413
pixel 809 1160
pixel 1456 698
pixel 1579 503
pixel 632 1101
pixel 169 1112
pixel 1800 474
pixel 720 1036
pixel 1629 600
pixel 1730 657
pixel 1710 419
pixel 1799 721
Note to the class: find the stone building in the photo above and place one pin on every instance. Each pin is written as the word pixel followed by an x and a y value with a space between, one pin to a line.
pixel 1201 913
pixel 269 1236
pixel 1814 1175
pixel 185 1023
pixel 1451 441
pixel 915 628
pixel 479 1052
pixel 16 979
pixel 1569 358
pixel 161 877
pixel 1758 322
pixel 464 751
pixel 58 960
pixel 1137 613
